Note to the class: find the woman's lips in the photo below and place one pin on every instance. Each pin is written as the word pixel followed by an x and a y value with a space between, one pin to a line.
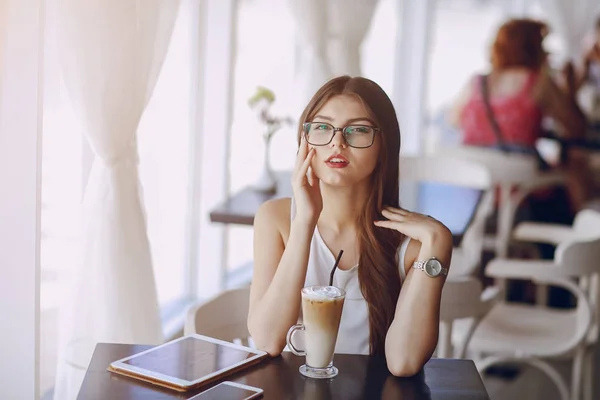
pixel 337 161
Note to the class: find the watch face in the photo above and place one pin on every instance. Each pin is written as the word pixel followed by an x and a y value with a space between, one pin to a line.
pixel 433 267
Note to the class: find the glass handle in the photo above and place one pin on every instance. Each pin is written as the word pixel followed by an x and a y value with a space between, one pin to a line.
pixel 290 334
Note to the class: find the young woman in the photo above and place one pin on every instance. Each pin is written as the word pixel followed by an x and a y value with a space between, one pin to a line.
pixel 521 92
pixel 345 186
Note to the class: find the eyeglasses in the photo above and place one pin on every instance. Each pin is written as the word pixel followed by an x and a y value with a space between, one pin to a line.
pixel 322 133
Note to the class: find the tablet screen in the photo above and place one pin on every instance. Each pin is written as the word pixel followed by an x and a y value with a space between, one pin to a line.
pixel 190 358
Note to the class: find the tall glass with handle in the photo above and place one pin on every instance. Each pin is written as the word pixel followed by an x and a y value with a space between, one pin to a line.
pixel 322 311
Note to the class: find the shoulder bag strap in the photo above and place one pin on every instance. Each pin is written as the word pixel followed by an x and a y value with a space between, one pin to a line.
pixel 490 113
pixel 543 165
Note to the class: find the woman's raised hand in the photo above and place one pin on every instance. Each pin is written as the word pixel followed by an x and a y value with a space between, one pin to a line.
pixel 307 192
pixel 417 226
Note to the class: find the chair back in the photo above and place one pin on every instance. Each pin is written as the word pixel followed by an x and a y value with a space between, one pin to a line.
pixel 459 172
pixel 504 168
pixel 581 256
pixel 462 299
pixel 507 171
pixel 587 224
pixel 445 169
pixel 223 317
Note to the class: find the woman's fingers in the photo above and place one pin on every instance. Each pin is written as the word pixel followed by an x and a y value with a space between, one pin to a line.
pixel 311 176
pixel 399 215
pixel 315 184
pixel 302 153
pixel 389 224
pixel 302 171
pixel 395 210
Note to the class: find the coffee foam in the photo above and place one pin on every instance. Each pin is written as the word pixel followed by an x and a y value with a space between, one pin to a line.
pixel 322 292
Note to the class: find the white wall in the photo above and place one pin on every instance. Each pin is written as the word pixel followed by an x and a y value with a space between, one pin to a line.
pixel 20 151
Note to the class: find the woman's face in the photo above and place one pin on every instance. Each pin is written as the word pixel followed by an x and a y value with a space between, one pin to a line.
pixel 337 163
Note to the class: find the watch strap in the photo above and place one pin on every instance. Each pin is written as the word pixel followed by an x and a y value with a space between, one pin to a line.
pixel 420 264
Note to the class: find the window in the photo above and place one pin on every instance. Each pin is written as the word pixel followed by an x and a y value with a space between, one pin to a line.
pixel 379 47
pixel 460 41
pixel 265 57
pixel 164 147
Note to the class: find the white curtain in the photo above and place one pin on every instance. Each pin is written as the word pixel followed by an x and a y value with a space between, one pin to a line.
pixel 311 19
pixel 572 20
pixel 111 54
pixel 3 17
pixel 330 34
pixel 349 23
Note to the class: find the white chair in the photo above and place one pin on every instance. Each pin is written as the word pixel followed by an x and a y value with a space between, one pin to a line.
pixel 462 297
pixel 454 171
pixel 530 334
pixel 517 175
pixel 223 317
pixel 585 225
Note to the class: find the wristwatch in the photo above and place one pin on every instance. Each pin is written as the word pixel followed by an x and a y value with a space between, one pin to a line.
pixel 432 267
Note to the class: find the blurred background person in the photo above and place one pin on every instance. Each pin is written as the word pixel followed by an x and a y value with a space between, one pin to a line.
pixel 585 82
pixel 521 92
pixel 508 109
pixel 505 109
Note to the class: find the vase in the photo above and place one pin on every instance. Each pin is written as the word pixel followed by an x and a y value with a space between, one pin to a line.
pixel 266 181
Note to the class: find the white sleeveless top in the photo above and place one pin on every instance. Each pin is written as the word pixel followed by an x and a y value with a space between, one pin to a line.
pixel 354 334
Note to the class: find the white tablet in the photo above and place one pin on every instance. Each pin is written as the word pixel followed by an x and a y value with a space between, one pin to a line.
pixel 188 362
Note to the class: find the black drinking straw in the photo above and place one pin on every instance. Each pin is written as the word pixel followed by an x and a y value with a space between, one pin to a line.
pixel 337 261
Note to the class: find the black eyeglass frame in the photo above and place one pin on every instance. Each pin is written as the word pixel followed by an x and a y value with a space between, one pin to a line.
pixel 306 125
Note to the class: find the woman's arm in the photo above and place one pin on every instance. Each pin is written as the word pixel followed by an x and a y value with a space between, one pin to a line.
pixel 558 105
pixel 279 274
pixel 582 74
pixel 280 268
pixel 413 334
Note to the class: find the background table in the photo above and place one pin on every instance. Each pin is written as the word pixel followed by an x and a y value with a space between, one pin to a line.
pixel 454 206
pixel 360 377
pixel 590 141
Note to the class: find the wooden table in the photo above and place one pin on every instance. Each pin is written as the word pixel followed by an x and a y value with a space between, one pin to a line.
pixel 360 377
pixel 453 205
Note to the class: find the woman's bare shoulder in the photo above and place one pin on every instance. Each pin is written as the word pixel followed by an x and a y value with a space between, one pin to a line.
pixel 278 213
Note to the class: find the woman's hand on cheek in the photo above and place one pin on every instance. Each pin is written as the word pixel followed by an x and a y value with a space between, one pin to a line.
pixel 306 186
pixel 417 226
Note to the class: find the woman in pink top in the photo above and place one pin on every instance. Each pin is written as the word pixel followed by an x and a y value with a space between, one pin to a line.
pixel 520 92
pixel 505 109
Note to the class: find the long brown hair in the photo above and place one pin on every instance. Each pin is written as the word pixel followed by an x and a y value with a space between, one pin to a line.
pixel 378 272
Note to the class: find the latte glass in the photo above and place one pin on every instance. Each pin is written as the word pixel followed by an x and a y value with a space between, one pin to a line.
pixel 322 311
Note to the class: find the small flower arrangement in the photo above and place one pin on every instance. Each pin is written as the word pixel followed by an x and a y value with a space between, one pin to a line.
pixel 261 102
